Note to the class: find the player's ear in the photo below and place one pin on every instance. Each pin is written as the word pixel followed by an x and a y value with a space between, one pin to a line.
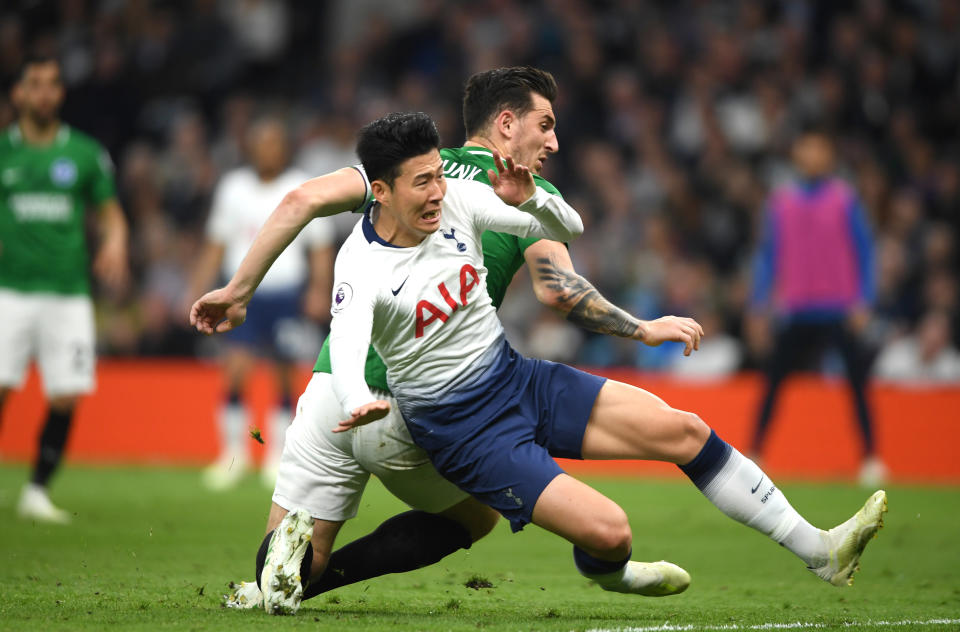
pixel 16 93
pixel 505 122
pixel 381 191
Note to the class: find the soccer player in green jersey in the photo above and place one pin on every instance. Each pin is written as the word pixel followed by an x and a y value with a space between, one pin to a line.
pixel 50 176
pixel 508 110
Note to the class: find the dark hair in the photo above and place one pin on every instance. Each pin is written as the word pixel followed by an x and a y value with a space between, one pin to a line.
pixel 388 141
pixel 35 59
pixel 490 92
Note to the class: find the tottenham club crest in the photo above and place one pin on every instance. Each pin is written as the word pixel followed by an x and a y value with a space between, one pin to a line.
pixel 63 172
pixel 461 247
pixel 341 297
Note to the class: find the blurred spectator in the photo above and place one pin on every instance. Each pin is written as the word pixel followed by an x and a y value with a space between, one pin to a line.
pixel 680 111
pixel 299 281
pixel 925 357
pixel 814 279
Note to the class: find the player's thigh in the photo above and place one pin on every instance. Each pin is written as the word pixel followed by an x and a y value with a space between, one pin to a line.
pixel 630 423
pixel 66 346
pixel 582 515
pixel 20 313
pixel 385 449
pixel 317 470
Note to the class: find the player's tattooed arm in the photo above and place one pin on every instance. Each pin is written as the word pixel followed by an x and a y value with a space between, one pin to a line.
pixel 581 303
pixel 558 285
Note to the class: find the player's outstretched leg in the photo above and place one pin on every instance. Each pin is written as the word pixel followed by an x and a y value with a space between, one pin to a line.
pixel 847 541
pixel 283 576
pixel 651 579
pixel 627 422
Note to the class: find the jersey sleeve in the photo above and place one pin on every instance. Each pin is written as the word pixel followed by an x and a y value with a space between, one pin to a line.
pixel 102 185
pixel 368 190
pixel 543 215
pixel 219 223
pixel 350 332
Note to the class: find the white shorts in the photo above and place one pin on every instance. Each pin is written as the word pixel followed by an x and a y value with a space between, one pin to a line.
pixel 325 472
pixel 57 331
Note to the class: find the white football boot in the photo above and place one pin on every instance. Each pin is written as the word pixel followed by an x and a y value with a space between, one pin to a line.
pixel 35 505
pixel 243 596
pixel 652 579
pixel 280 579
pixel 847 541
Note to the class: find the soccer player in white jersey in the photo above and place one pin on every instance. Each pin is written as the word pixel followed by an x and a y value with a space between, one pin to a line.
pixel 410 279
pixel 509 109
pixel 300 277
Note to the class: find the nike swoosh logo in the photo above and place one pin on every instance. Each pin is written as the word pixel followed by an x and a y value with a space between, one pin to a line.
pixel 754 490
pixel 397 291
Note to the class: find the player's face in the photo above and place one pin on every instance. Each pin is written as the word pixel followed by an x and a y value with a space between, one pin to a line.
pixel 535 137
pixel 39 93
pixel 813 155
pixel 268 149
pixel 415 197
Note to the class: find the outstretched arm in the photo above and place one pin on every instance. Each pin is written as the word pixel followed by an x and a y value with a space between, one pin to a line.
pixel 512 188
pixel 337 192
pixel 558 286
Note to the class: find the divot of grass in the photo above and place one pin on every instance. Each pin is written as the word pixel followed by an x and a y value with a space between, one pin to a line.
pixel 477 582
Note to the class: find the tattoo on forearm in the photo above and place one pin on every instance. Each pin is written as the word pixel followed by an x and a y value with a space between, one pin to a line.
pixel 583 304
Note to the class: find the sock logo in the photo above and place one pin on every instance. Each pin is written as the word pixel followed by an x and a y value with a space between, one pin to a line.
pixel 769 493
pixel 754 490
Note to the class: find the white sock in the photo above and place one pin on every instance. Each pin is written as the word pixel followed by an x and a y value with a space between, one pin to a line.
pixel 234 420
pixel 280 420
pixel 740 489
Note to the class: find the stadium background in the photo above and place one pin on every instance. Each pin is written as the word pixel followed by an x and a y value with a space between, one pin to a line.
pixel 675 120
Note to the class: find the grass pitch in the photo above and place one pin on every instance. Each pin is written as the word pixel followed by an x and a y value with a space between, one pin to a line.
pixel 149 549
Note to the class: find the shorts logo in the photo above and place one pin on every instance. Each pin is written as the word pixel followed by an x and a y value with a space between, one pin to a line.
pixel 341 297
pixel 63 172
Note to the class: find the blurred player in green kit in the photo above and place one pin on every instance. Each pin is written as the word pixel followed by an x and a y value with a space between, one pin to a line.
pixel 51 175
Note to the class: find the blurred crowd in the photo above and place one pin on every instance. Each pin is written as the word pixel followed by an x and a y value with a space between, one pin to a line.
pixel 675 120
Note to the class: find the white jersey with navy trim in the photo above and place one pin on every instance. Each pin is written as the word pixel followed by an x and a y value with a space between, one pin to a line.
pixel 425 308
pixel 242 202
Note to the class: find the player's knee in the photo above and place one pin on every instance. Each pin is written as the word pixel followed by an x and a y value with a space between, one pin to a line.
pixel 692 433
pixel 612 535
pixel 484 524
pixel 63 404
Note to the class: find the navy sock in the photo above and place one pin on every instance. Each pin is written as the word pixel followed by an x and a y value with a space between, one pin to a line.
pixel 590 565
pixel 712 457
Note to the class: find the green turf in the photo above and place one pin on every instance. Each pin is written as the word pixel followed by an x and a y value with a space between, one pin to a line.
pixel 150 550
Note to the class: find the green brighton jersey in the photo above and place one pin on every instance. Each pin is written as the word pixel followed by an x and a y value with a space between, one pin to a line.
pixel 45 191
pixel 502 252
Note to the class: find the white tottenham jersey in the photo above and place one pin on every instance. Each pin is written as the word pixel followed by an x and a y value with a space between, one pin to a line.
pixel 426 308
pixel 241 204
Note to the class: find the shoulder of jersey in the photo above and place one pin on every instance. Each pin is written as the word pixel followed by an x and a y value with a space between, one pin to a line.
pixel 238 175
pixel 84 140
pixel 295 174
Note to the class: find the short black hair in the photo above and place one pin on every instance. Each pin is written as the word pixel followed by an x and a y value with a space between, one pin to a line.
pixel 384 144
pixel 490 92
pixel 36 59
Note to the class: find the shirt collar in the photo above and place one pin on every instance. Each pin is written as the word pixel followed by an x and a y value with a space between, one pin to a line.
pixel 369 231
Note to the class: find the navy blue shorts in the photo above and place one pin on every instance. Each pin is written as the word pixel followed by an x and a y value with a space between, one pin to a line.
pixel 267 315
pixel 494 438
